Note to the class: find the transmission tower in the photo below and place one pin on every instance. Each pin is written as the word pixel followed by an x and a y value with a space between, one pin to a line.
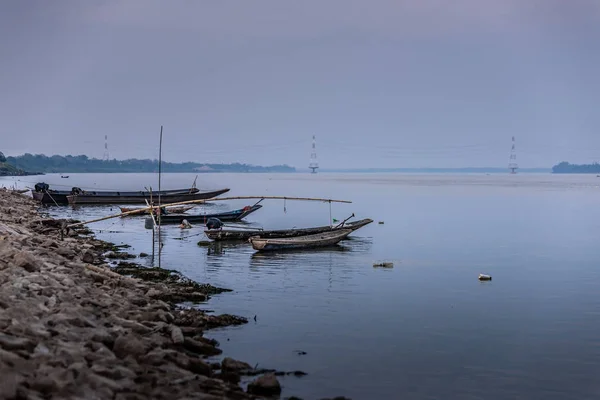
pixel 313 157
pixel 512 164
pixel 105 156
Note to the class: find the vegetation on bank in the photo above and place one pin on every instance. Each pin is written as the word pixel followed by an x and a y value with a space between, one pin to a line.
pixel 81 163
pixel 566 168
pixel 7 169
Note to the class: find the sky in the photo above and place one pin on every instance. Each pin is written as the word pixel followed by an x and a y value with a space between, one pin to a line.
pixel 382 83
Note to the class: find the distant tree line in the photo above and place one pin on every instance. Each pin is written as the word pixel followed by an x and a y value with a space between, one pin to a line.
pixel 566 168
pixel 81 163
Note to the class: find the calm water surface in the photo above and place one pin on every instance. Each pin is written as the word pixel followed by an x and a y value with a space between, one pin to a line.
pixel 426 329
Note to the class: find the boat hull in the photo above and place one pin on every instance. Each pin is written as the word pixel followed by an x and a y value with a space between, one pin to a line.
pixel 52 197
pixel 140 197
pixel 301 242
pixel 235 235
pixel 61 196
pixel 229 216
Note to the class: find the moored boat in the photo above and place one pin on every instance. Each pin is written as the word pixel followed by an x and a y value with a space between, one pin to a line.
pixel 300 242
pixel 233 234
pixel 229 216
pixel 167 196
pixel 45 195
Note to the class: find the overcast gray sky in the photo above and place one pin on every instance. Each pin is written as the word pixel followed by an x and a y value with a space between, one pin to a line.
pixel 383 83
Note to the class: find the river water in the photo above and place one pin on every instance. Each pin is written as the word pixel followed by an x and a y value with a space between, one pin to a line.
pixel 424 329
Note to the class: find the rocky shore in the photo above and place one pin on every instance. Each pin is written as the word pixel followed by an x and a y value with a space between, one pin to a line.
pixel 72 327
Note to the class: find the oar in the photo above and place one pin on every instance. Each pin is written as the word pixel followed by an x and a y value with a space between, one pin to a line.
pixel 344 221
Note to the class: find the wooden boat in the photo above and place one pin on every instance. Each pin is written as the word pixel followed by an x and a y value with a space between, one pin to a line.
pixel 170 210
pixel 45 195
pixel 172 196
pixel 300 242
pixel 235 215
pixel 232 234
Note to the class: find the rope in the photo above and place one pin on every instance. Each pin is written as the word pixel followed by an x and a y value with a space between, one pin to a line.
pixel 51 197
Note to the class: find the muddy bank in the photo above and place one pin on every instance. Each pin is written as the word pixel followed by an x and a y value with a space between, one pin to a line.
pixel 72 327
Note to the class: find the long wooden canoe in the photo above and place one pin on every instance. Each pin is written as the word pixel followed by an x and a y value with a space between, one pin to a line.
pixel 229 216
pixel 300 242
pixel 140 197
pixel 45 195
pixel 219 235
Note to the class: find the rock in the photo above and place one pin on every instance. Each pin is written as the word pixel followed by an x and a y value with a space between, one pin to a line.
pixel 126 345
pixel 41 349
pixel 87 257
pixel 229 364
pixel 66 252
pixel 105 338
pixel 9 385
pixel 143 254
pixel 51 301
pixel 176 335
pixel 9 342
pixel 199 367
pixel 11 359
pixel 266 385
pixel 26 261
pixel 200 348
pixel 152 292
pixel 229 376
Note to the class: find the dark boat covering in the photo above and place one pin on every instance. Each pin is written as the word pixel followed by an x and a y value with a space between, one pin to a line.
pixel 233 234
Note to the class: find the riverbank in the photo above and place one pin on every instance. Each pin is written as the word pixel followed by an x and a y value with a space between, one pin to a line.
pixel 73 327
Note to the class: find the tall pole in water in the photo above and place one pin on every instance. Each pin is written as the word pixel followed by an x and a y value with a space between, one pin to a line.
pixel 313 157
pixel 105 157
pixel 512 164
pixel 159 204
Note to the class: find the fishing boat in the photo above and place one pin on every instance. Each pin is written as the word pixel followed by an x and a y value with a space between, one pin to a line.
pixel 20 191
pixel 233 234
pixel 230 216
pixel 170 210
pixel 166 196
pixel 45 195
pixel 300 242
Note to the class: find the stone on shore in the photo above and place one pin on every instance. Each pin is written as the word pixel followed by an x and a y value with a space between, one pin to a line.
pixel 229 364
pixel 266 385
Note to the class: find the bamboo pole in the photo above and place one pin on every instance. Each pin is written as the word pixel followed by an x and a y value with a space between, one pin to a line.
pixel 209 200
pixel 159 203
